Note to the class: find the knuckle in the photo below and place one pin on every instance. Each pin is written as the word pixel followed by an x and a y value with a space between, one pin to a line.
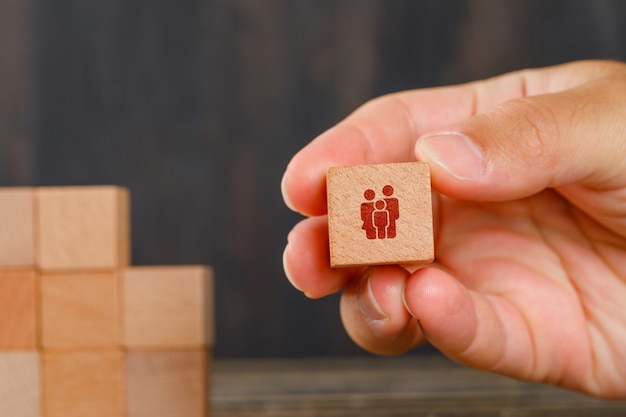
pixel 534 127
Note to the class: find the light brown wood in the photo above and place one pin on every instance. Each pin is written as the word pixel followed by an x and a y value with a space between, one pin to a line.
pixel 20 384
pixel 17 242
pixel 80 310
pixel 18 309
pixel 168 307
pixel 80 384
pixel 83 227
pixel 380 214
pixel 167 383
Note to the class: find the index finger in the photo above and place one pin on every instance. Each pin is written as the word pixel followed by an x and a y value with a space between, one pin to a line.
pixel 383 130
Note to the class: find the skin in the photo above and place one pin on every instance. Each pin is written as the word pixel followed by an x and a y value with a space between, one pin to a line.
pixel 529 187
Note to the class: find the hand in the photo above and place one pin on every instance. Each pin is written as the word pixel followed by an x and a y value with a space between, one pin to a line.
pixel 529 173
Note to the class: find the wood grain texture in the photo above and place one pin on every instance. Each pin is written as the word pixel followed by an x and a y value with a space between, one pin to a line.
pixel 380 214
pixel 18 309
pixel 83 227
pixel 20 383
pixel 408 386
pixel 167 383
pixel 168 306
pixel 80 310
pixel 17 239
pixel 79 384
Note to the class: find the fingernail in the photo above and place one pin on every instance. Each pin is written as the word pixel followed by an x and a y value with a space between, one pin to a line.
pixel 406 305
pixel 286 269
pixel 368 305
pixel 283 191
pixel 454 152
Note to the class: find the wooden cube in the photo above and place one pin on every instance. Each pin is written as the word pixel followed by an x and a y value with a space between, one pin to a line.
pixel 20 384
pixel 18 309
pixel 83 227
pixel 80 310
pixel 17 239
pixel 167 383
pixel 380 214
pixel 168 307
pixel 84 383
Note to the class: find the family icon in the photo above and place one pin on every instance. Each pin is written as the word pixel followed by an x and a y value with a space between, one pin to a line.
pixel 380 216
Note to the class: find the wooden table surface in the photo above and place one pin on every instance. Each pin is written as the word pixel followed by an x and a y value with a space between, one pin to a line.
pixel 428 386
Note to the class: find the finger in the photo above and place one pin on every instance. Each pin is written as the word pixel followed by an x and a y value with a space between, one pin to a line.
pixel 465 325
pixel 381 131
pixel 528 144
pixel 374 315
pixel 535 334
pixel 385 129
pixel 306 260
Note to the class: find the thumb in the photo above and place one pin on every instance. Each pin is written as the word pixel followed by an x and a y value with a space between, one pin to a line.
pixel 531 143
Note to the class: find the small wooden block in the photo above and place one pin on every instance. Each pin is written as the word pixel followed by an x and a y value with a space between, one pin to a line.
pixel 168 307
pixel 167 383
pixel 18 309
pixel 380 214
pixel 80 310
pixel 17 241
pixel 83 227
pixel 84 383
pixel 20 384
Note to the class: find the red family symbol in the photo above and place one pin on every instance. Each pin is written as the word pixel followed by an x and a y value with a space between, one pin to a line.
pixel 379 217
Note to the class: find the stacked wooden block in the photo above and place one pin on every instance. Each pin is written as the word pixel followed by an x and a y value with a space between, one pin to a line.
pixel 81 332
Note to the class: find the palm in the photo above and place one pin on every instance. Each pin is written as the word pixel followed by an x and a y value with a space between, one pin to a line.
pixel 552 276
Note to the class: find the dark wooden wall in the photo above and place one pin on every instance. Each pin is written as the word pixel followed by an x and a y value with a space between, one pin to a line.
pixel 198 105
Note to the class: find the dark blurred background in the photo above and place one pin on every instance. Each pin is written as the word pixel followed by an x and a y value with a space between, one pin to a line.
pixel 198 105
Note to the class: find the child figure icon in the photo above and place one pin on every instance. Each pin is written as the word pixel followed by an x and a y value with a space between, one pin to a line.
pixel 380 216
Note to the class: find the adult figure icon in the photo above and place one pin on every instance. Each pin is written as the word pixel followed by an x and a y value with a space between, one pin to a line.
pixel 393 208
pixel 367 210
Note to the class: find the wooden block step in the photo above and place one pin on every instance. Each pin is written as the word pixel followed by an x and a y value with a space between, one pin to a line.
pixel 168 307
pixel 18 309
pixel 85 383
pixel 20 383
pixel 17 233
pixel 80 310
pixel 83 227
pixel 167 383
